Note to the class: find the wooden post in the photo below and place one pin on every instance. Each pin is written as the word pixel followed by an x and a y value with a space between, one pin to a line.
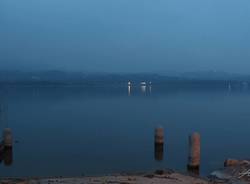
pixel 7 138
pixel 194 152
pixel 159 135
pixel 159 143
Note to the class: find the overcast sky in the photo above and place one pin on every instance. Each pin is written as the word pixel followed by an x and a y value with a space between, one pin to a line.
pixel 125 35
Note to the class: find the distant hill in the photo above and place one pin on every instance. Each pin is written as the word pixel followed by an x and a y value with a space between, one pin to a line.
pixel 80 77
pixel 214 75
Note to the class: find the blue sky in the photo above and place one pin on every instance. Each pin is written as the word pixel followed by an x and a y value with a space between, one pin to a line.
pixel 125 35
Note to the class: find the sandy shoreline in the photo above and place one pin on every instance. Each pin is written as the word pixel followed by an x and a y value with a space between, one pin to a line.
pixel 168 177
pixel 234 172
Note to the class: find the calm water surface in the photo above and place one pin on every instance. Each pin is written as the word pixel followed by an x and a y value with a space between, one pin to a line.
pixel 75 130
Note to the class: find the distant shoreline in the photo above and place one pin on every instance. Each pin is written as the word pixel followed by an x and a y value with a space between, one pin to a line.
pixel 117 82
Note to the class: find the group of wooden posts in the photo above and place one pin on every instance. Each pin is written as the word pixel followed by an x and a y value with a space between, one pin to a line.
pixel 6 153
pixel 193 164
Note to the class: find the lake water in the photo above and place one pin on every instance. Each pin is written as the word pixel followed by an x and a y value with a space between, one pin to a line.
pixel 76 130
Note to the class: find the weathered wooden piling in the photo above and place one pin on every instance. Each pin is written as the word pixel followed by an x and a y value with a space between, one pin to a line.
pixel 159 143
pixel 159 135
pixel 194 152
pixel 7 138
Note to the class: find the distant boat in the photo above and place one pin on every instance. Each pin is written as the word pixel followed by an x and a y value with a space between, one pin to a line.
pixel 143 83
pixel 129 83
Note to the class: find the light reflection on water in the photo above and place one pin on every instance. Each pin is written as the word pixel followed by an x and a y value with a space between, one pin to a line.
pixel 96 130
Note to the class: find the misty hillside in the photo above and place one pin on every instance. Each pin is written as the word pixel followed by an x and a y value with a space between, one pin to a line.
pixel 80 77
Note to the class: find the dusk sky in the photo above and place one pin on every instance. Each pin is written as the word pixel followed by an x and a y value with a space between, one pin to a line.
pixel 125 35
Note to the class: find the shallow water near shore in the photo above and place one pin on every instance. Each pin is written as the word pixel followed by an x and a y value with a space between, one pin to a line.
pixel 76 130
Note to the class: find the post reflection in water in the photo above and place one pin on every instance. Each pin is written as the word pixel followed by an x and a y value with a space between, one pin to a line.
pixel 36 92
pixel 159 143
pixel 195 171
pixel 6 155
pixel 143 89
pixel 159 150
pixel 229 87
pixel 1 152
pixel 244 86
pixel 129 90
